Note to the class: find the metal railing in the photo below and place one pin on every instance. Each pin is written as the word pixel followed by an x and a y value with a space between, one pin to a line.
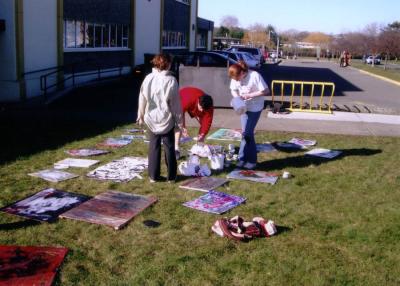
pixel 323 106
pixel 62 79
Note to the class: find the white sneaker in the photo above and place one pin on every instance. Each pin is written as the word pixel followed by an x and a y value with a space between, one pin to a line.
pixel 240 164
pixel 249 166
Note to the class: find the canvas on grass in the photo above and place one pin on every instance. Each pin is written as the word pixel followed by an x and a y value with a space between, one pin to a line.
pixel 255 176
pixel 133 137
pixel 111 208
pixel 122 170
pixel 45 205
pixel 288 146
pixel 203 184
pixel 30 265
pixel 86 152
pixel 77 163
pixel 53 175
pixel 215 202
pixel 115 142
pixel 265 148
pixel 303 142
pixel 324 153
pixel 226 134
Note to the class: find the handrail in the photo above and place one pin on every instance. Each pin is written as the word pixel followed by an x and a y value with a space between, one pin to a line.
pixel 45 87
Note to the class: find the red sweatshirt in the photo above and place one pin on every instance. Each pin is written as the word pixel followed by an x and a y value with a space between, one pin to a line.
pixel 189 101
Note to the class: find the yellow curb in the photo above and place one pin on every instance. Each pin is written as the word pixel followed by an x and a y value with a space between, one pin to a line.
pixel 380 77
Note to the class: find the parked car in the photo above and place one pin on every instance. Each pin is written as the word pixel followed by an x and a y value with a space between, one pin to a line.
pixel 256 52
pixel 371 59
pixel 204 59
pixel 248 58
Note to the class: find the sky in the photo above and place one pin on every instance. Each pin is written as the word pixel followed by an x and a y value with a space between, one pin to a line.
pixel 331 17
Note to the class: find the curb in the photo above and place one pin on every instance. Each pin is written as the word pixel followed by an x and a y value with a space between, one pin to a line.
pixel 378 76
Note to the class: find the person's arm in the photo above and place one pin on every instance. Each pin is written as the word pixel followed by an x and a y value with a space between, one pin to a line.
pixel 141 107
pixel 174 102
pixel 255 94
pixel 205 124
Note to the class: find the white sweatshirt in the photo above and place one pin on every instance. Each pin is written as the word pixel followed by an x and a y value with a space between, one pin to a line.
pixel 159 102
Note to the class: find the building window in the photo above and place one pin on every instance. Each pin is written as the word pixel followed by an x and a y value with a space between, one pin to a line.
pixel 80 34
pixel 173 39
pixel 187 2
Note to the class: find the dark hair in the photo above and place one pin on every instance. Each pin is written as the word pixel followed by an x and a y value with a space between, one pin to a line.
pixel 206 101
pixel 161 61
pixel 236 69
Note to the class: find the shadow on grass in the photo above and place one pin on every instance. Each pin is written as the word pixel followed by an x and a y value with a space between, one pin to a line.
pixel 306 160
pixel 18 225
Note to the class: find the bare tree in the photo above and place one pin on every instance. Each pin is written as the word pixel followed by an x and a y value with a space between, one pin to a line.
pixel 229 21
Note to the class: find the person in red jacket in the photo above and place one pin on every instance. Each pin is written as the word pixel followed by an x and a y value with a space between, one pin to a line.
pixel 198 105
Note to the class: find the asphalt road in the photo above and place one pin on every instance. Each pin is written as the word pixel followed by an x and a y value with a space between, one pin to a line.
pixel 354 91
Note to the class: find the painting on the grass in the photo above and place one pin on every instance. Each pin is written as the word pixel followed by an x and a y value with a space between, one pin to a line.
pixel 77 163
pixel 324 153
pixel 86 152
pixel 265 148
pixel 288 146
pixel 53 175
pixel 30 265
pixel 226 134
pixel 255 176
pixel 215 202
pixel 203 184
pixel 185 139
pixel 135 130
pixel 303 142
pixel 122 170
pixel 111 208
pixel 45 205
pixel 133 137
pixel 115 142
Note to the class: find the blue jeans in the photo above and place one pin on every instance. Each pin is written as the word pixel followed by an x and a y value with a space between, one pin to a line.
pixel 248 149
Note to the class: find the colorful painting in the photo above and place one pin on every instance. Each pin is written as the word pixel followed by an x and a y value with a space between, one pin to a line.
pixel 135 130
pixel 226 134
pixel 255 176
pixel 45 205
pixel 77 163
pixel 54 176
pixel 215 202
pixel 324 153
pixel 303 142
pixel 133 137
pixel 30 265
pixel 265 148
pixel 115 142
pixel 111 208
pixel 86 152
pixel 122 170
pixel 203 184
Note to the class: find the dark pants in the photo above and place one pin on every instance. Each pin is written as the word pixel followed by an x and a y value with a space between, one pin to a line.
pixel 154 156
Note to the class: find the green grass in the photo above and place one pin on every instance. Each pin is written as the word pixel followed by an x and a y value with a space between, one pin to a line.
pixel 339 221
pixel 378 70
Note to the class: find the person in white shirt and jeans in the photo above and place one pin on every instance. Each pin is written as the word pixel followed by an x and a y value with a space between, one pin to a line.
pixel 160 109
pixel 251 87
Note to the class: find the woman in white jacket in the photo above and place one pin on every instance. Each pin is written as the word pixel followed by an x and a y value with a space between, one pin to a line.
pixel 160 109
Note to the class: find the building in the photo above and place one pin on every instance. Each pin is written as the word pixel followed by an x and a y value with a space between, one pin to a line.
pixel 51 44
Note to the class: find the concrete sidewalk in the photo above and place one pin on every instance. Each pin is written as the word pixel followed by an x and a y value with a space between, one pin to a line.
pixel 345 123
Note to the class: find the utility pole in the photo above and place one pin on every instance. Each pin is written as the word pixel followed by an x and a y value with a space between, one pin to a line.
pixel 277 48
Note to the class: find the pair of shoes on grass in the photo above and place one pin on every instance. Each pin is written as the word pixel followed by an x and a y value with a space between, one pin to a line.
pixel 162 179
pixel 246 165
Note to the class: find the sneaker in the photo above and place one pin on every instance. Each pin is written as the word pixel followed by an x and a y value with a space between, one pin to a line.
pixel 249 166
pixel 152 181
pixel 177 154
pixel 240 164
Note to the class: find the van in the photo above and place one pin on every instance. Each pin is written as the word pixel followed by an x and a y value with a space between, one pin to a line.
pixel 256 52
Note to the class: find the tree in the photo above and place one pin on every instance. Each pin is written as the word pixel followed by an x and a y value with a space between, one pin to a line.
pixel 256 36
pixel 222 32
pixel 389 41
pixel 229 21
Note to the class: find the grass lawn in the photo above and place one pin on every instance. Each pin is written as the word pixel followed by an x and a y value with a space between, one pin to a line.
pixel 338 219
pixel 392 74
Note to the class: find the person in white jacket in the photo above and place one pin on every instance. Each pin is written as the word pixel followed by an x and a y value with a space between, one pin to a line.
pixel 160 109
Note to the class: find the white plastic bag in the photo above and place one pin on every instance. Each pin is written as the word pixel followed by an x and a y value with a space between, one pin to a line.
pixel 238 105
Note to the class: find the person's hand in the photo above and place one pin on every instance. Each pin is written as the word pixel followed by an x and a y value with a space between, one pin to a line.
pixel 245 96
pixel 140 121
pixel 200 139
pixel 184 132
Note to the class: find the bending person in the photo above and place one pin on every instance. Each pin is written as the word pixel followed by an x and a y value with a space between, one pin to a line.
pixel 251 87
pixel 198 105
pixel 160 109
